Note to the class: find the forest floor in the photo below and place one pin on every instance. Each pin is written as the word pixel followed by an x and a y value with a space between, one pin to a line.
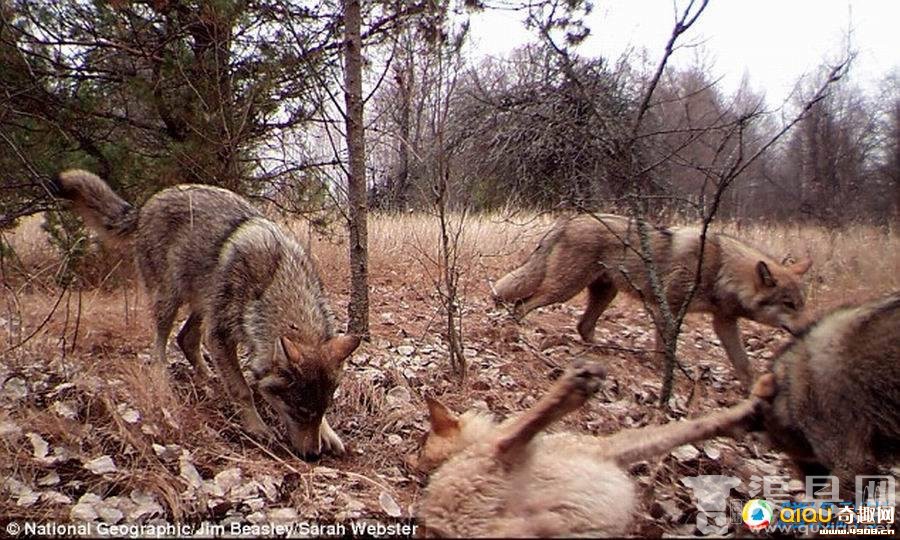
pixel 92 429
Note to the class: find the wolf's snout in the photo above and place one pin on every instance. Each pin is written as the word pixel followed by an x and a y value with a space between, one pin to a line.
pixel 306 441
pixel 313 440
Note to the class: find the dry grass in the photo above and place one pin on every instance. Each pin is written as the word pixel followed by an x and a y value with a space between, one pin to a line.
pixel 95 360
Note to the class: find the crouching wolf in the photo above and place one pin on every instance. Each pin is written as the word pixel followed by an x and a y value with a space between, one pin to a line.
pixel 836 408
pixel 245 281
pixel 602 253
pixel 510 480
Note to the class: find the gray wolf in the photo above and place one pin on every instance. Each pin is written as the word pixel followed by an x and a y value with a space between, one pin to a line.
pixel 602 253
pixel 244 281
pixel 836 408
pixel 512 480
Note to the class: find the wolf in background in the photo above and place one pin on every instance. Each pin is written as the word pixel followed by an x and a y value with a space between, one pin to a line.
pixel 511 480
pixel 836 408
pixel 244 281
pixel 602 253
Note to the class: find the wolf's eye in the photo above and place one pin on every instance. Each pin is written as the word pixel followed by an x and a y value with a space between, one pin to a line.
pixel 790 305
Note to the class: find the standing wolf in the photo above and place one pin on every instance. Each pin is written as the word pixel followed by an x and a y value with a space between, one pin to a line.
pixel 602 253
pixel 244 281
pixel 837 393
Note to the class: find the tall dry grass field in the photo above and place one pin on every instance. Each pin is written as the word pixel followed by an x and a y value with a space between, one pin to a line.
pixel 82 386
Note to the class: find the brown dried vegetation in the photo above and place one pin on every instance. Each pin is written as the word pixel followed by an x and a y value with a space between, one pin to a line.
pixel 85 387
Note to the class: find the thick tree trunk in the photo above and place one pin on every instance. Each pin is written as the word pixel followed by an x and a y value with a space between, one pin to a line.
pixel 358 309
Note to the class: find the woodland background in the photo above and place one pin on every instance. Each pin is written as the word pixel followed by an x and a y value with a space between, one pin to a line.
pixel 416 174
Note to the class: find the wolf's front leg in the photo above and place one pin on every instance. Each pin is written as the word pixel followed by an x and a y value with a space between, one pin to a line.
pixel 729 334
pixel 632 445
pixel 224 355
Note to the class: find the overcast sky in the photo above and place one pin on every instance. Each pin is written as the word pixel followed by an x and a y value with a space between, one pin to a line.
pixel 774 41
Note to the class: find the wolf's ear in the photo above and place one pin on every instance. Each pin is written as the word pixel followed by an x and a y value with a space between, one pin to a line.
pixel 337 349
pixel 801 267
pixel 443 421
pixel 290 349
pixel 765 275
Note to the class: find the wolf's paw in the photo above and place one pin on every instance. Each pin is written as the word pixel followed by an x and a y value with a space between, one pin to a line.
pixel 584 377
pixel 587 335
pixel 330 440
pixel 255 425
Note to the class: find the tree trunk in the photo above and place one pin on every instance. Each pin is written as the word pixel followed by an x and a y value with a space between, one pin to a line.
pixel 358 309
pixel 405 81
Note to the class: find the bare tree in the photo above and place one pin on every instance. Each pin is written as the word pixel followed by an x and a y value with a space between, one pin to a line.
pixel 440 172
pixel 358 308
pixel 426 85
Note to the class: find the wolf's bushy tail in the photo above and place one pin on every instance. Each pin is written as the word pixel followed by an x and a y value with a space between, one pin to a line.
pixel 524 280
pixel 101 209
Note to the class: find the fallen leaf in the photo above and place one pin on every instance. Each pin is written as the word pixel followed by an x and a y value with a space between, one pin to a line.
pixel 27 499
pixel 63 409
pixel 14 389
pixel 15 487
pixel 228 479
pixel 108 513
pixel 83 512
pixel 270 486
pixel 60 455
pixel 711 451
pixel 170 419
pixel 167 452
pixel 687 452
pixel 49 479
pixel 389 505
pixel 40 446
pixel 101 465
pixel 146 506
pixel 212 489
pixel 398 395
pixel 55 497
pixel 189 473
pixel 247 490
pixel 131 416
